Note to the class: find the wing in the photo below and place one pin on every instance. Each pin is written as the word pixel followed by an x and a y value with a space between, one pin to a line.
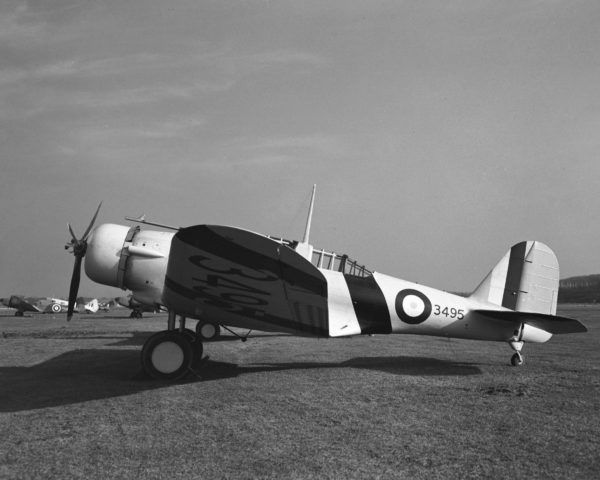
pixel 23 304
pixel 240 278
pixel 550 323
pixel 30 307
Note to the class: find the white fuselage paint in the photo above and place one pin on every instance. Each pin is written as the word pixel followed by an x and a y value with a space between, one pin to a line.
pixel 341 314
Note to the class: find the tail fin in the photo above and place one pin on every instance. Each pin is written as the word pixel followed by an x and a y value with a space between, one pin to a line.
pixel 526 280
pixel 92 306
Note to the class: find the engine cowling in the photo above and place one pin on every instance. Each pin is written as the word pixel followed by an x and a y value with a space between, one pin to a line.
pixel 129 258
pixel 103 255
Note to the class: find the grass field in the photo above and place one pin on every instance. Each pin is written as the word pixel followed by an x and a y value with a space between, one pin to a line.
pixel 73 405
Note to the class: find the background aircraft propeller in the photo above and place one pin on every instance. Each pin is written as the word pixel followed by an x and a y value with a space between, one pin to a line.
pixel 78 247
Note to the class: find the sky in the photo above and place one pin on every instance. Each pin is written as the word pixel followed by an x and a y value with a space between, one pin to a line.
pixel 438 133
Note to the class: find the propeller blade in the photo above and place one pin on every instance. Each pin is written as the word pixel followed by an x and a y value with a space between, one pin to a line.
pixel 75 278
pixel 79 249
pixel 89 228
pixel 72 233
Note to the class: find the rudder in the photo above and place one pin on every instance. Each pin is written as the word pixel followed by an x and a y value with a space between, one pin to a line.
pixel 526 279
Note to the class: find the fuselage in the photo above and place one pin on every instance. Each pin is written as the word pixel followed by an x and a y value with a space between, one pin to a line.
pixel 257 283
pixel 409 308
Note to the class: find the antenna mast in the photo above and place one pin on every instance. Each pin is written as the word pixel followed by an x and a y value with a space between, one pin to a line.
pixel 304 248
pixel 309 219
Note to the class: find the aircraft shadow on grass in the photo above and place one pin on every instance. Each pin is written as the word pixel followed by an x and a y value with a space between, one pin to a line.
pixel 93 374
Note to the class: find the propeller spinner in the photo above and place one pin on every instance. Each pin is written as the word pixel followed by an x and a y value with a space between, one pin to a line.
pixel 78 247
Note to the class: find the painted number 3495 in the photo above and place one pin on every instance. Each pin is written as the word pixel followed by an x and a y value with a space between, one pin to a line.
pixel 449 312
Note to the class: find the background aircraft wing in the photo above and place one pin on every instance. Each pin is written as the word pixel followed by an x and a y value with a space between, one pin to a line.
pixel 23 304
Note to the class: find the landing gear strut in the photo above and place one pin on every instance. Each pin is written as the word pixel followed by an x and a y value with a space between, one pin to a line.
pixel 171 354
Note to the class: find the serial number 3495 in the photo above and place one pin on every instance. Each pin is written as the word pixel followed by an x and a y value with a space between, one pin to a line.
pixel 449 312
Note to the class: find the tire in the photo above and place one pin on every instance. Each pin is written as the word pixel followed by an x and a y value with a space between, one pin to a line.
pixel 208 331
pixel 516 360
pixel 167 355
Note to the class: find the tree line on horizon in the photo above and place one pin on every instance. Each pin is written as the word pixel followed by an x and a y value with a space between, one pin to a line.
pixel 581 289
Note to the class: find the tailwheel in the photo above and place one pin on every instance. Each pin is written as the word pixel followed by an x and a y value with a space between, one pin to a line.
pixel 167 355
pixel 208 331
pixel 516 360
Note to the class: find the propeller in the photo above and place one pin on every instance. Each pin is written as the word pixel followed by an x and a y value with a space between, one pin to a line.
pixel 77 247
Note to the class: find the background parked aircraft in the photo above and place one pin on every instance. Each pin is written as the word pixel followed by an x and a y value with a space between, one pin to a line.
pixel 87 304
pixel 34 304
pixel 137 308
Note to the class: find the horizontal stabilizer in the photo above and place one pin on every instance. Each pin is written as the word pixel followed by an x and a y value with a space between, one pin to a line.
pixel 549 323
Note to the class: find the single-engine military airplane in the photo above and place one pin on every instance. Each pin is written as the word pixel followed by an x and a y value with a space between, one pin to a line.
pixel 231 277
pixel 23 304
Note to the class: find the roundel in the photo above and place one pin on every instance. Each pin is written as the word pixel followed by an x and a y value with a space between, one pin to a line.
pixel 56 307
pixel 412 306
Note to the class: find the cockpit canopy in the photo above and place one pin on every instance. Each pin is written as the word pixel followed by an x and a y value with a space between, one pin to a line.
pixel 325 260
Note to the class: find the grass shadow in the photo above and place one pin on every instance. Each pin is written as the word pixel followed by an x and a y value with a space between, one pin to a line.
pixel 72 377
pixel 421 366
pixel 92 374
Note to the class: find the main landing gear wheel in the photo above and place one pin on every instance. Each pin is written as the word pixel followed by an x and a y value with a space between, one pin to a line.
pixel 208 331
pixel 168 355
pixel 516 360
